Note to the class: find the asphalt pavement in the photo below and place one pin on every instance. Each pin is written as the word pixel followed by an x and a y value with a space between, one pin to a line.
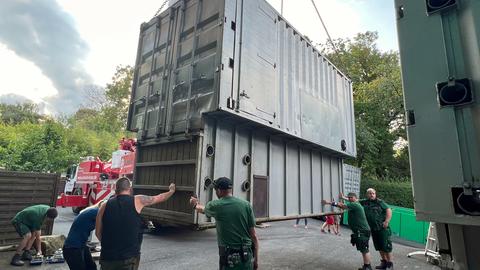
pixel 281 247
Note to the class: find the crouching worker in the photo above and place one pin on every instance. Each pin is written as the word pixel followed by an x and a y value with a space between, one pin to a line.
pixel 27 223
pixel 75 250
pixel 358 223
pixel 237 239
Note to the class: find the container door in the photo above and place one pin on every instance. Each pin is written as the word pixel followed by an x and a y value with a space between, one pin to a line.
pixel 257 93
pixel 260 196
pixel 196 58
pixel 150 82
pixel 176 69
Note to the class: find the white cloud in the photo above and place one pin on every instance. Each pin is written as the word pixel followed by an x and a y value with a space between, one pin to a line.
pixel 111 28
pixel 22 77
pixel 340 18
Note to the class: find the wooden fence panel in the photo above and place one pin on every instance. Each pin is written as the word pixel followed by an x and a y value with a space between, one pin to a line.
pixel 19 190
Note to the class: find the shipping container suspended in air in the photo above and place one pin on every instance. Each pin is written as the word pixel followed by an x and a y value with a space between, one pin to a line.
pixel 229 88
pixel 243 59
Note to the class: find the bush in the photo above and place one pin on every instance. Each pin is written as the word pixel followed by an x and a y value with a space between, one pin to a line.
pixel 394 193
pixel 51 146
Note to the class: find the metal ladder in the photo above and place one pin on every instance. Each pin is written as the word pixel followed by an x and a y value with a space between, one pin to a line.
pixel 431 247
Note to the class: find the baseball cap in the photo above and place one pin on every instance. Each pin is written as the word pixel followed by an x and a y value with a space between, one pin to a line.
pixel 222 183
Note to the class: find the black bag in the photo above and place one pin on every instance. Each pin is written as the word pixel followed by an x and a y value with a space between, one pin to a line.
pixel 353 239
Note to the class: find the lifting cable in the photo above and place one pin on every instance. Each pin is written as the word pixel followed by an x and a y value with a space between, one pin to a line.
pixel 325 27
pixel 160 9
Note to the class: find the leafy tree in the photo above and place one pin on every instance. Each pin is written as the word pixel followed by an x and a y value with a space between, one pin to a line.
pixel 378 102
pixel 31 142
pixel 50 146
pixel 111 114
pixel 17 113
pixel 35 147
pixel 118 97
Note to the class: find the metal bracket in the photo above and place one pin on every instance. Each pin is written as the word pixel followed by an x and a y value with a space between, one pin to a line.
pixel 230 103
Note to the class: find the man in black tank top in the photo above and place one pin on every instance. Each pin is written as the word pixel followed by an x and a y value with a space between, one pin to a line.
pixel 120 216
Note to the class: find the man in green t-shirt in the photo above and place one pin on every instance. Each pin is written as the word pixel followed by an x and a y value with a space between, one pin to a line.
pixel 358 224
pixel 378 216
pixel 235 221
pixel 27 223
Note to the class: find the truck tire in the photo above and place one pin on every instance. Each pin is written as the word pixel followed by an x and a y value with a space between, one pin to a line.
pixel 76 209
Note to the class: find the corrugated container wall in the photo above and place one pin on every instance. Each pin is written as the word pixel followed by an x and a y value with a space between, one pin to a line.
pixel 243 59
pixel 229 88
pixel 280 176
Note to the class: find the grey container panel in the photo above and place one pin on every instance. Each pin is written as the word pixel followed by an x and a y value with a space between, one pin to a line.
pixel 336 173
pixel 176 69
pixel 195 65
pixel 317 184
pixel 277 169
pixel 229 59
pixel 257 70
pixel 292 172
pixel 443 142
pixel 326 176
pixel 305 163
pixel 295 179
pixel 292 176
pixel 292 88
pixel 241 171
pixel 224 145
pixel 243 58
pixel 260 151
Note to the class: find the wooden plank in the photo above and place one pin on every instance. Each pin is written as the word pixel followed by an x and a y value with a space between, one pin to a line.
pixel 26 181
pixel 4 209
pixel 167 163
pixel 26 197
pixel 27 193
pixel 165 213
pixel 14 188
pixel 5 201
pixel 26 175
pixel 162 187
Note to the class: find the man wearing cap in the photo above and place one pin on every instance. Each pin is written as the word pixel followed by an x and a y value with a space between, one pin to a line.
pixel 378 216
pixel 358 224
pixel 237 239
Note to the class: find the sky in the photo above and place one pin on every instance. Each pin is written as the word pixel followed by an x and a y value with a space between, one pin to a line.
pixel 52 50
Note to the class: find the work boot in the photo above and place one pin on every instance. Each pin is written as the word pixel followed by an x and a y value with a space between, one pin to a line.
pixel 382 265
pixel 366 267
pixel 389 266
pixel 26 256
pixel 16 260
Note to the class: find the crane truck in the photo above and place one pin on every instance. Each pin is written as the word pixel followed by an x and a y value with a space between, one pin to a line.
pixel 93 180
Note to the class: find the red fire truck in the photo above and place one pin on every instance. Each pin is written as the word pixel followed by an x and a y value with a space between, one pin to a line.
pixel 93 180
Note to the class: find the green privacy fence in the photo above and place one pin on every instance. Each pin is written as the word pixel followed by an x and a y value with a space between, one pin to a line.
pixel 404 225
